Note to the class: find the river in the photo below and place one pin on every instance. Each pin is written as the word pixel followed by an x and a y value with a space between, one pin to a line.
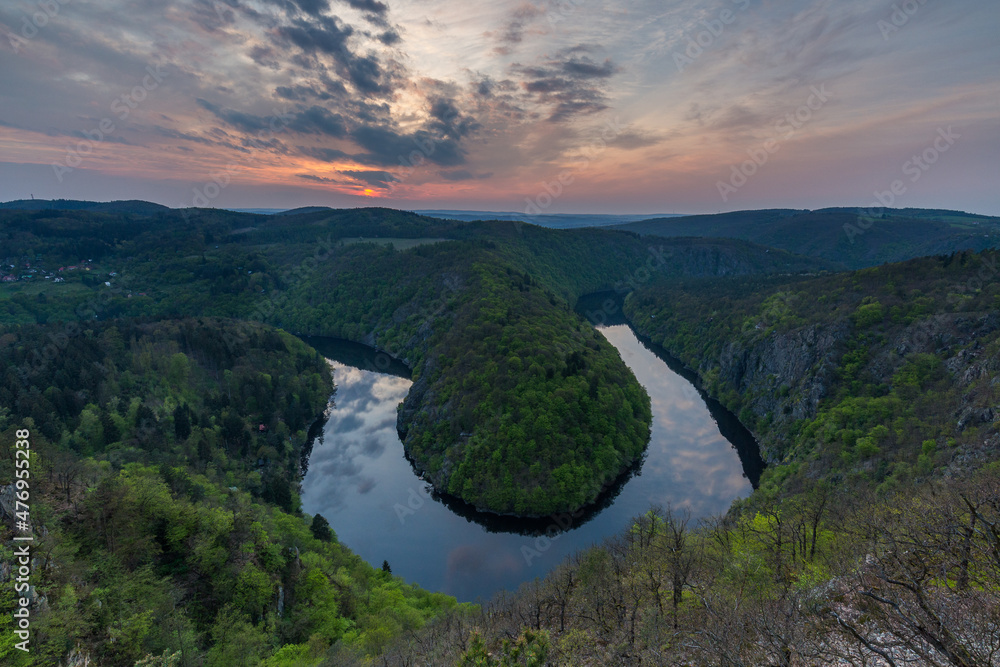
pixel 359 479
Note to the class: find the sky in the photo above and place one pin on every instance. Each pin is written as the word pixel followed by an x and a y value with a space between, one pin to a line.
pixel 554 106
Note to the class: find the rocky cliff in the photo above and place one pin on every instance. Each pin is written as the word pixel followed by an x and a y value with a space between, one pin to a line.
pixel 812 369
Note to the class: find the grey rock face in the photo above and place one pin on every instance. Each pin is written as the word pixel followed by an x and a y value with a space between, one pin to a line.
pixel 7 503
pixel 783 376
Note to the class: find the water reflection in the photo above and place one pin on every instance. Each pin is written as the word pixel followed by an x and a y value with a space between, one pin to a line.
pixel 360 480
pixel 358 356
pixel 605 310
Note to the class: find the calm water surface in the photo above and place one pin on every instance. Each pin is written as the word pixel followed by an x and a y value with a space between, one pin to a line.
pixel 360 480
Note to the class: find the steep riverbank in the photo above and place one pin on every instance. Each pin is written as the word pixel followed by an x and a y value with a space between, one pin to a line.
pixel 881 374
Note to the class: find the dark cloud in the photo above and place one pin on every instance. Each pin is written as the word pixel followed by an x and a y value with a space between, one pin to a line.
pixel 303 93
pixel 568 97
pixel 171 133
pixel 449 121
pixel 634 139
pixel 485 87
pixel 571 85
pixel 512 32
pixel 238 119
pixel 329 36
pixel 366 74
pixel 464 175
pixel 546 86
pixel 273 144
pixel 389 37
pixel 331 87
pixel 335 155
pixel 317 120
pixel 326 36
pixel 391 148
pixel 265 56
pixel 319 179
pixel 379 179
pixel 373 6
pixel 314 120
pixel 313 7
pixel 211 16
pixel 366 112
pixel 585 68
pixel 325 154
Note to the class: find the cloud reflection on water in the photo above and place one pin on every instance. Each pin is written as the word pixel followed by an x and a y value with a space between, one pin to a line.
pixel 358 476
pixel 362 426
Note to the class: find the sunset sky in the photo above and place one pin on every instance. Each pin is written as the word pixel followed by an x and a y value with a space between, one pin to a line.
pixel 627 106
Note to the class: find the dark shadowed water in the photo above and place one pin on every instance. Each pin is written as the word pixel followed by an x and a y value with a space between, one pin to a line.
pixel 360 480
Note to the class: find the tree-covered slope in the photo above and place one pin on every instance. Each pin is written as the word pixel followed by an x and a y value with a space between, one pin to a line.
pixel 851 237
pixel 134 206
pixel 164 474
pixel 235 399
pixel 877 376
pixel 827 578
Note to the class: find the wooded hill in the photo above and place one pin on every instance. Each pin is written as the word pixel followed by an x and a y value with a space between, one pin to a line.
pixel 164 476
pixel 884 374
pixel 851 237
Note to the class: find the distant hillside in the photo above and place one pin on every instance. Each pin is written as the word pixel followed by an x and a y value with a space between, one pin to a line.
pixel 134 206
pixel 305 224
pixel 842 235
pixel 554 221
pixel 301 210
pixel 259 211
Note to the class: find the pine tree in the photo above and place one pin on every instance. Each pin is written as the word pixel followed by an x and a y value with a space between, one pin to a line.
pixel 321 529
